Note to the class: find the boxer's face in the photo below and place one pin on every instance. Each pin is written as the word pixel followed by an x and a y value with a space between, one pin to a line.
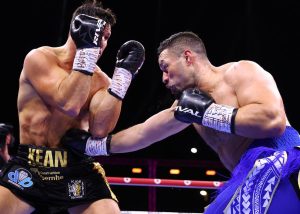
pixel 176 74
pixel 104 39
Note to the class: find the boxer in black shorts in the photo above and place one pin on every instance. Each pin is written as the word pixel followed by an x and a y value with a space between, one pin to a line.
pixel 53 180
pixel 62 88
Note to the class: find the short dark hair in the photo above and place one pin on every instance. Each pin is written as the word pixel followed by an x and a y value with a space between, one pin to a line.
pixel 179 41
pixel 95 8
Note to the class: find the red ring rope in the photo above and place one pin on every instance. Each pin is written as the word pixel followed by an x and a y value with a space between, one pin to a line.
pixel 157 182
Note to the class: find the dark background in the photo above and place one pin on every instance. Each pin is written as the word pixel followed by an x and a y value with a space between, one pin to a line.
pixel 264 31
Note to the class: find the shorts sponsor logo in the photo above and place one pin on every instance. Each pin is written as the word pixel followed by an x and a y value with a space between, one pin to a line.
pixel 20 177
pixel 76 189
pixel 48 175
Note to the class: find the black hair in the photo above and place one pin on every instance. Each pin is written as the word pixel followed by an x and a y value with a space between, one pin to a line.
pixel 95 8
pixel 179 41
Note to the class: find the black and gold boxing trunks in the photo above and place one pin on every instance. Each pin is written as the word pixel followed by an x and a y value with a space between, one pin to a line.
pixel 52 180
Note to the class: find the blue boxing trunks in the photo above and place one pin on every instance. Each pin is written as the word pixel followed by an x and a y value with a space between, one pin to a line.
pixel 266 180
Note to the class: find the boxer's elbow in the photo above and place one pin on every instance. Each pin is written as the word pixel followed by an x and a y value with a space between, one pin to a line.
pixel 102 132
pixel 276 128
pixel 275 123
pixel 101 127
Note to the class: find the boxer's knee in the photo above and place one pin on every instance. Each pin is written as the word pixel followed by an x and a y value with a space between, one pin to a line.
pixel 12 204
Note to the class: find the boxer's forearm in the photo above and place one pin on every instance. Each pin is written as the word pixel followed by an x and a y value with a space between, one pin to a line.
pixel 156 128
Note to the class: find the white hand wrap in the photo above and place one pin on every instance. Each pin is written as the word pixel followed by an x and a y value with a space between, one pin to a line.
pixel 220 117
pixel 120 83
pixel 85 60
pixel 96 147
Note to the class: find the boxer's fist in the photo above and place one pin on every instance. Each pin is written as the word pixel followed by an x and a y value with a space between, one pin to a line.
pixel 82 143
pixel 192 105
pixel 130 59
pixel 86 31
pixel 196 106
pixel 131 56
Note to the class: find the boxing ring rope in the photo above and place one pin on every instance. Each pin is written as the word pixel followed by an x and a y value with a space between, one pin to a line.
pixel 157 182
pixel 153 182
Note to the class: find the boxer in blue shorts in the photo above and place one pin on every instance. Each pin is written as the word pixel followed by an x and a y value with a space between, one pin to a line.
pixel 238 111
